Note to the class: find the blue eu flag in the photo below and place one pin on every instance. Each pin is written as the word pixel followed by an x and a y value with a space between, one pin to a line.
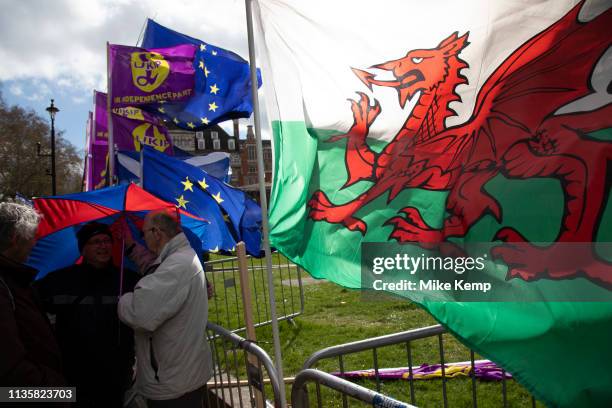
pixel 222 82
pixel 233 216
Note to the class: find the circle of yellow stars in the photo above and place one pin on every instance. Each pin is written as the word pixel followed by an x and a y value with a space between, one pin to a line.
pixel 182 201
pixel 188 186
pixel 214 90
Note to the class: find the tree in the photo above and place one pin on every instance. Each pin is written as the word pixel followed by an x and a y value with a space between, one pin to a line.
pixel 21 170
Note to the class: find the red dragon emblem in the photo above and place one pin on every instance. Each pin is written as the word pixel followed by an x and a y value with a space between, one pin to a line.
pixel 514 130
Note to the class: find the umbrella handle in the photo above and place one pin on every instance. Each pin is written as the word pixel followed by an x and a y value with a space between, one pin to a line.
pixel 121 265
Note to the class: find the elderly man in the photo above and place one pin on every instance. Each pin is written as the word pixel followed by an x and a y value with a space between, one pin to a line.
pixel 168 311
pixel 29 352
pixel 98 350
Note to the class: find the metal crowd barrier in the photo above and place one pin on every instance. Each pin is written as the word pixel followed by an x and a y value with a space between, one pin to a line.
pixel 226 307
pixel 299 396
pixel 374 344
pixel 238 379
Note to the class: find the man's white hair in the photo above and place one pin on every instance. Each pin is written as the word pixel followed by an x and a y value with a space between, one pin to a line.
pixel 17 221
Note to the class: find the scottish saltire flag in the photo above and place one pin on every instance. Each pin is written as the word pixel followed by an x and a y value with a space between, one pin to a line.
pixel 217 164
pixel 448 123
pixel 229 210
pixel 144 76
pixel 222 82
pixel 128 167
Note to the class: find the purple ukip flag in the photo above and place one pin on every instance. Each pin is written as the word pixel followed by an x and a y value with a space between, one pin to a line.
pixel 133 128
pixel 97 147
pixel 143 76
pixel 100 127
pixel 98 162
pixel 483 369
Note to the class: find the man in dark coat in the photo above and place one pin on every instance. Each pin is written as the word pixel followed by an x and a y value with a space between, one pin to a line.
pixel 97 348
pixel 29 354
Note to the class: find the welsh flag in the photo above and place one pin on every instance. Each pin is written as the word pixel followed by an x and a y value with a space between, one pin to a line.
pixel 451 122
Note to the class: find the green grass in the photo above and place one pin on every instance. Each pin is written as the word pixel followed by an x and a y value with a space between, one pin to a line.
pixel 334 315
pixel 226 308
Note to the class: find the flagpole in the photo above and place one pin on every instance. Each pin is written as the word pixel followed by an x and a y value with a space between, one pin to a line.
pixel 263 202
pixel 94 130
pixel 95 110
pixel 86 164
pixel 90 152
pixel 141 166
pixel 84 179
pixel 111 144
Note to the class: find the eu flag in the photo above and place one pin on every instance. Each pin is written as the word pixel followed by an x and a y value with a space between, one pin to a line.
pixel 222 82
pixel 233 216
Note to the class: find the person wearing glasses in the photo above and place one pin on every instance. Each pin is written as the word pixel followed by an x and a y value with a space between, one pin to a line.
pixel 97 349
pixel 168 311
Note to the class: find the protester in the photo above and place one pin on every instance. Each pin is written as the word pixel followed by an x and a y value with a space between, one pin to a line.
pixel 168 311
pixel 97 348
pixel 30 355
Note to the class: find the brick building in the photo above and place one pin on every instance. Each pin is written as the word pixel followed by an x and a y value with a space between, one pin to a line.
pixel 248 154
pixel 213 139
pixel 243 153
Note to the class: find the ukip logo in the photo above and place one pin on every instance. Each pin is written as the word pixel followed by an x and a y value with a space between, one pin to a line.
pixel 149 70
pixel 149 135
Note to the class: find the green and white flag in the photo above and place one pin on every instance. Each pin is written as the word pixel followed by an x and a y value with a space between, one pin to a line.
pixel 455 122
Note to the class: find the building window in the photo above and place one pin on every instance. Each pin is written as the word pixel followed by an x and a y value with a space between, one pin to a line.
pixel 199 135
pixel 214 135
pixel 216 144
pixel 236 160
pixel 251 150
pixel 252 170
pixel 231 144
pixel 267 154
pixel 201 144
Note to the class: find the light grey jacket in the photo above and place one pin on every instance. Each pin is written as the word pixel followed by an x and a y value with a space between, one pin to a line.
pixel 168 311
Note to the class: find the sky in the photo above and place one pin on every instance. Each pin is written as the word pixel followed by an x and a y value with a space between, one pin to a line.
pixel 57 49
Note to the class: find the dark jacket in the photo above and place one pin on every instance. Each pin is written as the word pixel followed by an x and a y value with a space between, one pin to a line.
pixel 98 349
pixel 30 355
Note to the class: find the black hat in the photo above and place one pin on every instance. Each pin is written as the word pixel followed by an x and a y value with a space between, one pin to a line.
pixel 89 230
